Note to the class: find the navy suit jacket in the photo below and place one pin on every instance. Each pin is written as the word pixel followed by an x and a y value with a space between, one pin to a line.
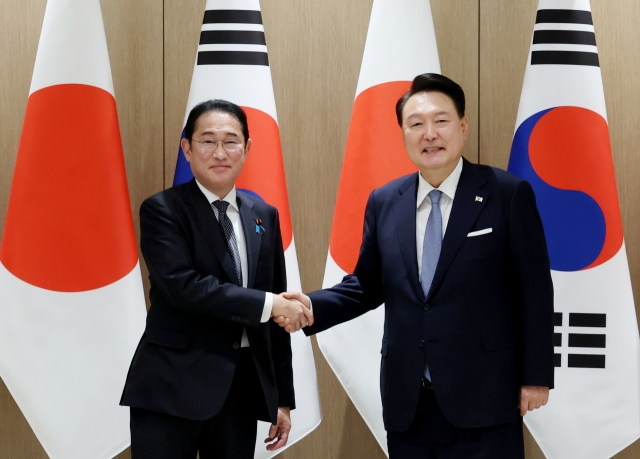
pixel 486 326
pixel 186 359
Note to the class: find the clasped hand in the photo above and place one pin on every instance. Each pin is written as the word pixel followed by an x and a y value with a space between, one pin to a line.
pixel 292 311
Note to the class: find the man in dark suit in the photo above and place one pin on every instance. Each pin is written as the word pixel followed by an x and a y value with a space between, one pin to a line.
pixel 211 362
pixel 458 256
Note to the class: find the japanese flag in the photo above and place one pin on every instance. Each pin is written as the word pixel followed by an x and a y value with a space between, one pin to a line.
pixel 71 300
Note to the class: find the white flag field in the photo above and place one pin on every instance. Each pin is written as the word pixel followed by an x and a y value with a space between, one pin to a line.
pixel 232 64
pixel 72 305
pixel 400 45
pixel 562 147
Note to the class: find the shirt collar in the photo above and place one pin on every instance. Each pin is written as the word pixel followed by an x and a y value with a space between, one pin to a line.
pixel 211 197
pixel 448 187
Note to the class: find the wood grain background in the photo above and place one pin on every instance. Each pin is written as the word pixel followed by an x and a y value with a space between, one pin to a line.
pixel 315 49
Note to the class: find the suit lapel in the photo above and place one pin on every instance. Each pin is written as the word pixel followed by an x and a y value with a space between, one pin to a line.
pixel 208 225
pixel 251 236
pixel 404 210
pixel 464 213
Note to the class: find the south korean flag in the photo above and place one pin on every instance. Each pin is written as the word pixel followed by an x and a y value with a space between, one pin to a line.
pixel 562 147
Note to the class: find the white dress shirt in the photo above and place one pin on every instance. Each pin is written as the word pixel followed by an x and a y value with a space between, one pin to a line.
pixel 423 203
pixel 234 215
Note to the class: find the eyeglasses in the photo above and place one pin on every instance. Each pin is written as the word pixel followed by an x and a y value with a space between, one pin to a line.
pixel 230 146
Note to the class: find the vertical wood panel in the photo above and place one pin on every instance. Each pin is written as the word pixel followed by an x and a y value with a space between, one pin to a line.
pixel 182 22
pixel 134 35
pixel 457 27
pixel 506 28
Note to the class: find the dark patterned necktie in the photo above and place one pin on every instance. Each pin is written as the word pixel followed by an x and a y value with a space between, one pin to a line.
pixel 229 236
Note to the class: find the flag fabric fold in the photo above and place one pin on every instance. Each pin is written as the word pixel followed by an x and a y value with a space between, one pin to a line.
pixel 562 147
pixel 232 64
pixel 71 300
pixel 400 45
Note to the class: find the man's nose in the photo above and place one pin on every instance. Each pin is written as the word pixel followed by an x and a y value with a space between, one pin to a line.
pixel 429 132
pixel 219 152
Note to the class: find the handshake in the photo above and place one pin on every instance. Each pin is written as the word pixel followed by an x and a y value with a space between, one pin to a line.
pixel 292 311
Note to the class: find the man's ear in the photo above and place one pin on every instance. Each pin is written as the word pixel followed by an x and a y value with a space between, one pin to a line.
pixel 186 148
pixel 247 147
pixel 465 126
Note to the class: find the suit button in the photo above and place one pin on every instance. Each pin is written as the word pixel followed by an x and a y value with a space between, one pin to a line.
pixel 236 345
pixel 425 307
pixel 421 344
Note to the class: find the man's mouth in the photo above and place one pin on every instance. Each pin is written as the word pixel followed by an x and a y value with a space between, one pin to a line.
pixel 432 149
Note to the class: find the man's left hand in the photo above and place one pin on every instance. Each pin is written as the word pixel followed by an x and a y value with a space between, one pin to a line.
pixel 532 397
pixel 280 431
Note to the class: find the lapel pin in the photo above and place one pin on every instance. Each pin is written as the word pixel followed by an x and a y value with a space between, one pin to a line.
pixel 259 228
pixel 478 199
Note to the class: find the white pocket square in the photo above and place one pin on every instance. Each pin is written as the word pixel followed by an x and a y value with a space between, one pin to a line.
pixel 480 232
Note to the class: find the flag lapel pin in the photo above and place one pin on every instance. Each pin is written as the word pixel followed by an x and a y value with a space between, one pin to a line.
pixel 259 227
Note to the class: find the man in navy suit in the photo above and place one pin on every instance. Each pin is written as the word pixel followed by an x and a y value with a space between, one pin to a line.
pixel 211 362
pixel 458 256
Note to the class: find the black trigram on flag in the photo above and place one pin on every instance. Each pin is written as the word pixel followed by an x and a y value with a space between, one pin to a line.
pixel 238 38
pixel 578 339
pixel 564 37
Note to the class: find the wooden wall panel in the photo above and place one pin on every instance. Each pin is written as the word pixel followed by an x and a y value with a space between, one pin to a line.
pixel 506 29
pixel 457 28
pixel 182 22
pixel 134 36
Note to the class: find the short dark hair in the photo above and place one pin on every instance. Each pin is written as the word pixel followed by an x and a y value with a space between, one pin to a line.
pixel 215 105
pixel 433 82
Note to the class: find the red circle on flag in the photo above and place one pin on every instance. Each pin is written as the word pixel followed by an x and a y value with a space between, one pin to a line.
pixel 263 172
pixel 374 156
pixel 69 226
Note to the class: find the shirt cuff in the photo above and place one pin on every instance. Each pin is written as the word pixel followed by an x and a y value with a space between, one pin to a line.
pixel 268 306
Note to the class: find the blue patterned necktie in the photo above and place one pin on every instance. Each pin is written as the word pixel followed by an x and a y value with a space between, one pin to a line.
pixel 229 236
pixel 432 243
pixel 431 246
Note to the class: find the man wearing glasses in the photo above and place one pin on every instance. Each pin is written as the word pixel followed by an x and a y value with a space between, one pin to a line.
pixel 211 362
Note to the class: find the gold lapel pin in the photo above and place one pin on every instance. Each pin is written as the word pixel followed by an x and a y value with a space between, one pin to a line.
pixel 478 199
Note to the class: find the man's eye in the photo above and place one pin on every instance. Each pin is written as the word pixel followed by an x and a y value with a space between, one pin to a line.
pixel 230 143
pixel 208 142
pixel 416 125
pixel 442 121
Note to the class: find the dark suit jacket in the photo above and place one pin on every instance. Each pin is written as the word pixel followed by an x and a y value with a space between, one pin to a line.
pixel 486 326
pixel 185 362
